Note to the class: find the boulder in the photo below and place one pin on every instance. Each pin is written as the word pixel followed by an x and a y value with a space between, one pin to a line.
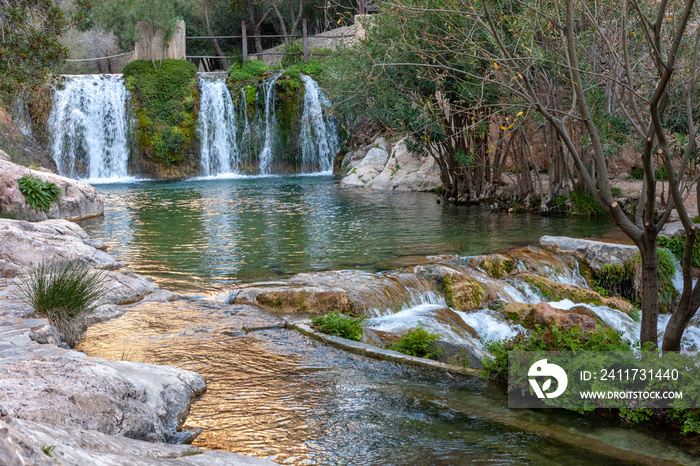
pixel 76 201
pixel 556 291
pixel 4 157
pixel 24 245
pixel 405 171
pixel 544 315
pixel 297 299
pixel 380 167
pixel 130 399
pixel 595 253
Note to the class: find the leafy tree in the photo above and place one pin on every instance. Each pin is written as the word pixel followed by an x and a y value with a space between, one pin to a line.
pixel 596 73
pixel 29 46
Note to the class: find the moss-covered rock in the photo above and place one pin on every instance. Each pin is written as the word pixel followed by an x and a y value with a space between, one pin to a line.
pixel 166 103
pixel 495 265
pixel 545 316
pixel 555 291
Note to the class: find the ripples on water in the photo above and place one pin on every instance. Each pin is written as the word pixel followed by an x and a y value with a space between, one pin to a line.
pixel 194 236
pixel 274 393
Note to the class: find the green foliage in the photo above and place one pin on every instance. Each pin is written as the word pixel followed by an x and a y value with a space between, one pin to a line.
pixel 295 47
pixel 121 17
pixel 313 68
pixel 247 71
pixel 29 44
pixel 419 342
pixel 549 339
pixel 48 449
pixel 584 204
pixel 615 279
pixel 616 192
pixel 165 97
pixel 689 419
pixel 335 323
pixel 39 194
pixel 62 291
pixel 637 173
pixel 677 246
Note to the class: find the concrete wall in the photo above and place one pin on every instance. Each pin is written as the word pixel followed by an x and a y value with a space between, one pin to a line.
pixel 150 47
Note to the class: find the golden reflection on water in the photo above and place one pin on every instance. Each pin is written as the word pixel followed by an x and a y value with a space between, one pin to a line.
pixel 274 393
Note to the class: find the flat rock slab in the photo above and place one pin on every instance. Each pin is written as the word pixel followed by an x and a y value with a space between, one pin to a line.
pixel 596 253
pixel 21 443
pixel 48 384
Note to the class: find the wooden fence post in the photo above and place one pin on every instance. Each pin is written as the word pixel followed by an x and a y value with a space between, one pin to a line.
pixel 244 47
pixel 304 40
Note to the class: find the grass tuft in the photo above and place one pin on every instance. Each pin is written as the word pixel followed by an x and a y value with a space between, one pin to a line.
pixel 62 291
pixel 419 342
pixel 335 323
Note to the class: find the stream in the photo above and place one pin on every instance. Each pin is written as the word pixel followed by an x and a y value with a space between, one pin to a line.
pixel 274 393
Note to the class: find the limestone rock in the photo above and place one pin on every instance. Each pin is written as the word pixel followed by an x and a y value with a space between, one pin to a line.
pixel 131 399
pixel 294 299
pixel 24 245
pixel 21 443
pixel 397 170
pixel 77 200
pixel 4 157
pixel 674 229
pixel 544 315
pixel 596 253
pixel 45 334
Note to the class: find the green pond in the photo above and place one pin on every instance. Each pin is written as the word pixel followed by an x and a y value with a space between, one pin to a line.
pixel 277 394
pixel 199 235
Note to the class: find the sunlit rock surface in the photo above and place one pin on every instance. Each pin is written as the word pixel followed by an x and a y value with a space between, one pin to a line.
pixel 77 200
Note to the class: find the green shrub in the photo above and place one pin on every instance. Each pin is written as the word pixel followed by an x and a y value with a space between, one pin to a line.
pixel 292 47
pixel 676 246
pixel 62 291
pixel 335 323
pixel 419 342
pixel 584 204
pixel 39 194
pixel 616 192
pixel 247 71
pixel 637 173
pixel 549 339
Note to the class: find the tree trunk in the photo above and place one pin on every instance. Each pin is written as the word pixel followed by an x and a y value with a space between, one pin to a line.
pixel 214 42
pixel 649 291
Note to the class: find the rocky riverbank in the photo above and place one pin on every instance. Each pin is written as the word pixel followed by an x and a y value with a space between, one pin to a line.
pixel 58 406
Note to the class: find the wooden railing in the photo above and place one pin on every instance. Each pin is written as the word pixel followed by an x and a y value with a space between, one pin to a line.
pixel 245 36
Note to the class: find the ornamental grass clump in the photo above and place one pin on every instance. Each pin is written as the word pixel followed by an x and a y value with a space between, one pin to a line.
pixel 63 291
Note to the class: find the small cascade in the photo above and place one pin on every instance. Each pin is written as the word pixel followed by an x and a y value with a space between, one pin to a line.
pixel 89 124
pixel 319 134
pixel 217 127
pixel 489 325
pixel 265 157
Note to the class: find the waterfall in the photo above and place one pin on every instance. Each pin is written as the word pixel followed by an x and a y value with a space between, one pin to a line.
pixel 89 125
pixel 319 134
pixel 217 128
pixel 265 156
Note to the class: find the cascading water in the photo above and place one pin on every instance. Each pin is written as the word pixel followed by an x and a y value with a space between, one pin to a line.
pixel 240 131
pixel 265 157
pixel 217 127
pixel 89 124
pixel 319 134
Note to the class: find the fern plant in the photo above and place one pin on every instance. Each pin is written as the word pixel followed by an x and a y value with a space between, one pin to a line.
pixel 40 194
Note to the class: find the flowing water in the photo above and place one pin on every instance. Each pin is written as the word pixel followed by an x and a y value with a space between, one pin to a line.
pixel 217 127
pixel 277 394
pixel 90 127
pixel 319 135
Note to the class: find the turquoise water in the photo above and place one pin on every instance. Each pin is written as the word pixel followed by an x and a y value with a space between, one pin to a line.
pixel 196 236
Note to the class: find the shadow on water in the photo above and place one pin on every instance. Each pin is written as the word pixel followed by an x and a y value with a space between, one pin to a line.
pixel 277 394
pixel 195 236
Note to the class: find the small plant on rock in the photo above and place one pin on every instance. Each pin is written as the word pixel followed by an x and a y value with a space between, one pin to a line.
pixel 335 323
pixel 419 342
pixel 62 291
pixel 39 194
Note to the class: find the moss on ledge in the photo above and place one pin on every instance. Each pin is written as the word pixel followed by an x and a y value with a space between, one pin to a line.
pixel 166 102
